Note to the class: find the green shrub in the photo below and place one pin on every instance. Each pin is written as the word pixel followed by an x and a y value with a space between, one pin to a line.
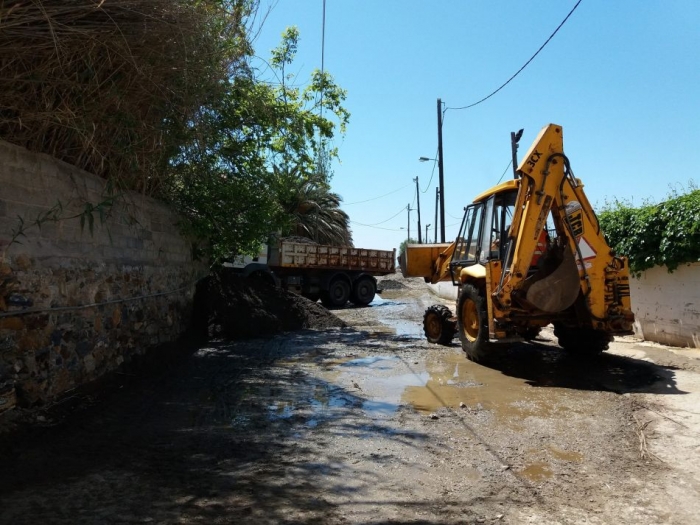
pixel 665 234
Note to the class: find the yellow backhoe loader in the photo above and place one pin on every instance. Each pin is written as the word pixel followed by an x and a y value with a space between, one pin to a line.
pixel 529 252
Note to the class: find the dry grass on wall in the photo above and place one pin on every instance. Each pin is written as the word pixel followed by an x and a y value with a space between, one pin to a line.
pixel 107 85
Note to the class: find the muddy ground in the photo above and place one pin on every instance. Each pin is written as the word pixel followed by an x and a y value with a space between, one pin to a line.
pixel 368 423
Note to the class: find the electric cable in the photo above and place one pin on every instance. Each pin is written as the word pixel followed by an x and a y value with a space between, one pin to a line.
pixel 377 227
pixel 376 198
pixel 525 65
pixel 504 171
pixel 403 209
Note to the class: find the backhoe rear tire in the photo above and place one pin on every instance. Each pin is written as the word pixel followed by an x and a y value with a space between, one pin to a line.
pixel 438 325
pixel 472 323
pixel 582 341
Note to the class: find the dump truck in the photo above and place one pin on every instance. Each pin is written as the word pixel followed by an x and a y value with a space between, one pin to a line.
pixel 529 253
pixel 334 274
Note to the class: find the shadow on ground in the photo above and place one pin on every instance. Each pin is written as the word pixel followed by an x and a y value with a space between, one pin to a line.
pixel 544 365
pixel 197 441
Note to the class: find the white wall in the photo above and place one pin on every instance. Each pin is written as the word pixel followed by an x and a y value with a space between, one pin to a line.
pixel 667 305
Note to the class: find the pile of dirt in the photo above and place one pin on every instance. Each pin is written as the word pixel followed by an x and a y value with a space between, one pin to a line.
pixel 390 284
pixel 228 306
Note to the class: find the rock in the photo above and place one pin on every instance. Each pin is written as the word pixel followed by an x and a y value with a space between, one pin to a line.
pixel 434 416
pixel 462 404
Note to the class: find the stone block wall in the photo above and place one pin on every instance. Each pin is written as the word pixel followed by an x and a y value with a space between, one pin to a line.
pixel 78 295
pixel 667 305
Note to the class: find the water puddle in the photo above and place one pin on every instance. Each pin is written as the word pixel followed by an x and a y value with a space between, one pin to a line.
pixel 371 361
pixel 454 381
pixel 440 379
pixel 537 472
pixel 379 301
pixel 564 455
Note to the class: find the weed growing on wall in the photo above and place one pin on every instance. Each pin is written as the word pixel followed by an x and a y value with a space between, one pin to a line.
pixel 664 234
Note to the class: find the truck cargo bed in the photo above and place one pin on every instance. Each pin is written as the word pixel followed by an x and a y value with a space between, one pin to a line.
pixel 318 256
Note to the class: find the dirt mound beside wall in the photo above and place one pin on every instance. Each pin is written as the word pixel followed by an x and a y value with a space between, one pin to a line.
pixel 227 306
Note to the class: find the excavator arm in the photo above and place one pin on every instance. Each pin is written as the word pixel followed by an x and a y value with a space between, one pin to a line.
pixel 586 266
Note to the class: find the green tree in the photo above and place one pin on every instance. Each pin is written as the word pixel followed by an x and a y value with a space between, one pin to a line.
pixel 306 119
pixel 248 166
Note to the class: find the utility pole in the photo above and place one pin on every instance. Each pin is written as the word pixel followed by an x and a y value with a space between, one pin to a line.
pixel 441 171
pixel 427 226
pixel 420 240
pixel 437 199
pixel 408 208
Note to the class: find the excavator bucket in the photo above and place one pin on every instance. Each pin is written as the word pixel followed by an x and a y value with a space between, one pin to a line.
pixel 558 290
pixel 425 260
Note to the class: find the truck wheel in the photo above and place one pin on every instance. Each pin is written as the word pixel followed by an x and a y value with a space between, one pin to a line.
pixel 583 341
pixel 472 323
pixel 438 325
pixel 337 294
pixel 363 291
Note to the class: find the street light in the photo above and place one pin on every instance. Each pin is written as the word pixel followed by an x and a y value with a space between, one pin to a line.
pixel 427 227
pixel 439 203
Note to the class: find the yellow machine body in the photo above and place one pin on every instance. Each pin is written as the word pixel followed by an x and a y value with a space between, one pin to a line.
pixel 531 252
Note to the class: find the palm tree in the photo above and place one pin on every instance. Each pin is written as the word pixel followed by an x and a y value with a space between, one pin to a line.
pixel 311 209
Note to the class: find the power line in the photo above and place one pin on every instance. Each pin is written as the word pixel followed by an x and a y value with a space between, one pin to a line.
pixel 375 198
pixel 377 227
pixel 526 63
pixel 387 220
pixel 504 171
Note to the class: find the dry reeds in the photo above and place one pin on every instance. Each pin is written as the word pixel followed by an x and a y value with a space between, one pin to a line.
pixel 109 85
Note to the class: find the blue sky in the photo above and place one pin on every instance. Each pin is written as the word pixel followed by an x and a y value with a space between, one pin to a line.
pixel 622 78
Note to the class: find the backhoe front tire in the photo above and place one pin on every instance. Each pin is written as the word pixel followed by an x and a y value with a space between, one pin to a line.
pixel 472 323
pixel 438 325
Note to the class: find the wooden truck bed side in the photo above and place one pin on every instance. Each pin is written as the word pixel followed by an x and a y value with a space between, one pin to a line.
pixel 288 254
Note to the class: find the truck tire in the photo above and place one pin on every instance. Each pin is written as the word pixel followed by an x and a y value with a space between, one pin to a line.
pixel 337 294
pixel 363 291
pixel 472 323
pixel 582 341
pixel 438 325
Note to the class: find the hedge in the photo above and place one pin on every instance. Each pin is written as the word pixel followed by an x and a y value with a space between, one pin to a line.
pixel 665 234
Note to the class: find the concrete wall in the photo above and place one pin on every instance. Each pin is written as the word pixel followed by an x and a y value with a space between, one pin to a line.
pixel 75 304
pixel 667 305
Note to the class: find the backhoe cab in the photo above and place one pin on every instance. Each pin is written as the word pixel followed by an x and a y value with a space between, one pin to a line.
pixel 529 252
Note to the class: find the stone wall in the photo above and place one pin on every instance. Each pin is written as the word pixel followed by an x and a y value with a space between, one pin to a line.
pixel 667 305
pixel 87 280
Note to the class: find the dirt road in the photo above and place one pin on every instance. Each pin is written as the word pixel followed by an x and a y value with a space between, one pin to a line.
pixel 371 424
